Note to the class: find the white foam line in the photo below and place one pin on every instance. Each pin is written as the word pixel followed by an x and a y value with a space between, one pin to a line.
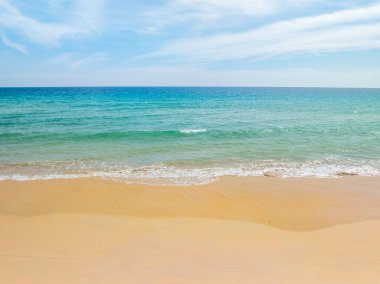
pixel 190 131
pixel 160 174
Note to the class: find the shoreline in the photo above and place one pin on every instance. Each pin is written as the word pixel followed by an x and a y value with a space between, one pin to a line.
pixel 167 175
pixel 244 230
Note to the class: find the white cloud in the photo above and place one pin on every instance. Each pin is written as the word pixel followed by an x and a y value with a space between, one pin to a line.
pixel 351 29
pixel 215 8
pixel 200 11
pixel 14 45
pixel 84 20
pixel 206 12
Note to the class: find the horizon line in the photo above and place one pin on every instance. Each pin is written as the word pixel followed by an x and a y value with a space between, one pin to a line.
pixel 187 86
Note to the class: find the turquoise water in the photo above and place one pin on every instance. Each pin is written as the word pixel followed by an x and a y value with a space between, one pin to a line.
pixel 188 135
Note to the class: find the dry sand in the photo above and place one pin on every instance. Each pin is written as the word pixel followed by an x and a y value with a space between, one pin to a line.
pixel 236 230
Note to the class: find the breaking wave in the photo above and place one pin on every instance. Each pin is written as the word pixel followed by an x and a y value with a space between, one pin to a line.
pixel 190 131
pixel 167 174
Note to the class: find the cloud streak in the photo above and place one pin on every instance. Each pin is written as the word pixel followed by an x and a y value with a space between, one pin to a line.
pixel 215 13
pixel 14 45
pixel 183 10
pixel 351 29
pixel 83 21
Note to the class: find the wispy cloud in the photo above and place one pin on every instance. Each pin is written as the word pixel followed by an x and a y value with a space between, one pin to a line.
pixel 194 42
pixel 198 12
pixel 206 12
pixel 14 45
pixel 181 10
pixel 84 20
pixel 351 29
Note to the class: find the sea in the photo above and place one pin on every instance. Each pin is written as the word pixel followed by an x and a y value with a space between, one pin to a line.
pixel 188 135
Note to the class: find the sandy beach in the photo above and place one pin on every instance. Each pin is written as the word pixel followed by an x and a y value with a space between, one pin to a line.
pixel 189 142
pixel 242 230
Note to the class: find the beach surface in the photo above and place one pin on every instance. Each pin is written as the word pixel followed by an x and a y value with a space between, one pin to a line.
pixel 235 230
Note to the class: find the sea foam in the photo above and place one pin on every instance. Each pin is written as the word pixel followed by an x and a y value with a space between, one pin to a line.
pixel 190 131
pixel 167 174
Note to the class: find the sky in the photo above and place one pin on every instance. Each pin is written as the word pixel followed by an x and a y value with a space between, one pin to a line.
pixel 297 43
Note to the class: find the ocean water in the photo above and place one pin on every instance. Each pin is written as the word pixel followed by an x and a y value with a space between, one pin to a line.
pixel 188 135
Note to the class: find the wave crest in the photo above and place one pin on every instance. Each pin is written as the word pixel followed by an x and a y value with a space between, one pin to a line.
pixel 190 131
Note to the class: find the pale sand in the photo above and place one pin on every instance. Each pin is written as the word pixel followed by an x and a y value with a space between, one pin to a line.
pixel 237 230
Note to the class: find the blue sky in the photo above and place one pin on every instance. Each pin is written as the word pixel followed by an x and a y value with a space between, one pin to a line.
pixel 190 43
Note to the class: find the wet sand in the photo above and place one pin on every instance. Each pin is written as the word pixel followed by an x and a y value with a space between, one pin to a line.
pixel 243 230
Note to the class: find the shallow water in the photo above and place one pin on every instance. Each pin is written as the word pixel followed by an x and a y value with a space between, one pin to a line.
pixel 188 135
